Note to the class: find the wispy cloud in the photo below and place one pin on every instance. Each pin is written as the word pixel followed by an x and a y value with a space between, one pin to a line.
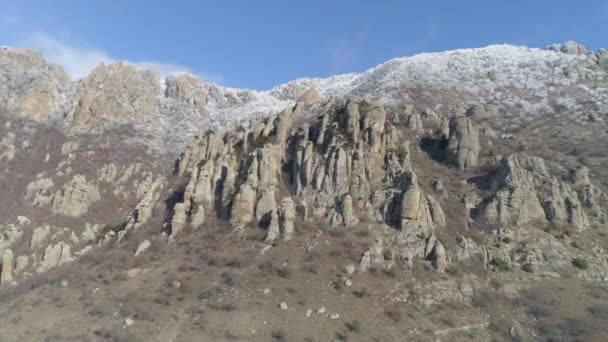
pixel 347 51
pixel 79 61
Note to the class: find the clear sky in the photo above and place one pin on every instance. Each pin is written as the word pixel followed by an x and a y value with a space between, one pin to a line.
pixel 259 44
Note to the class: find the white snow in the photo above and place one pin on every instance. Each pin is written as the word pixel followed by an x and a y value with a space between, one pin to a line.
pixel 527 77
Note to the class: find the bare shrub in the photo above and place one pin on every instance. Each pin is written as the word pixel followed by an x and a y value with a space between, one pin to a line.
pixel 227 279
pixel 360 293
pixel 226 307
pixel 353 326
pixel 337 233
pixel 394 314
pixel 599 311
pixel 233 263
pixel 279 336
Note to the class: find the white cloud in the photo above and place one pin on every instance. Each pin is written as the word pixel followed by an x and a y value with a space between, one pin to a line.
pixel 79 61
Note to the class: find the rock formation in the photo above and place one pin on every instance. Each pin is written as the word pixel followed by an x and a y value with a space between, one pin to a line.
pixel 6 274
pixel 76 197
pixel 55 255
pixel 463 144
pixel 527 192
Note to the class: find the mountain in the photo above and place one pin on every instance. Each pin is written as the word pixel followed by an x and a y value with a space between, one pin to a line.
pixel 443 196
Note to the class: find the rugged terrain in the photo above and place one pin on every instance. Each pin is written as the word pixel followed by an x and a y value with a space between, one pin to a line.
pixel 448 196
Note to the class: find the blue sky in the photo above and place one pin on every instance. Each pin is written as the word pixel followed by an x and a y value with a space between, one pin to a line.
pixel 259 44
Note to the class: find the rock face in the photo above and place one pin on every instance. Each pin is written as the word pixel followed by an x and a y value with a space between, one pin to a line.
pixel 143 210
pixel 116 93
pixel 55 255
pixel 345 164
pixel 39 236
pixel 30 85
pixel 39 192
pixel 187 88
pixel 527 192
pixel 287 215
pixel 76 197
pixel 463 144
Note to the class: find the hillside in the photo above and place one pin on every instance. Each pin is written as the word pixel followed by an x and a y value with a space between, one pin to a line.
pixel 445 196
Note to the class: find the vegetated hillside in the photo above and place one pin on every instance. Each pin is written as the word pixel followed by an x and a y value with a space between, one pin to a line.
pixel 447 196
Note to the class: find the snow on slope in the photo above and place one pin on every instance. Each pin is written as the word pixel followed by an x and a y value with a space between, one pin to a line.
pixel 519 86
pixel 506 75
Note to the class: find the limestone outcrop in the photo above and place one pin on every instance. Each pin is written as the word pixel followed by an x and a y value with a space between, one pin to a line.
pixel 189 89
pixel 344 164
pixel 76 197
pixel 117 93
pixel 6 274
pixel 55 255
pixel 527 192
pixel 30 85
pixel 463 144
pixel 38 192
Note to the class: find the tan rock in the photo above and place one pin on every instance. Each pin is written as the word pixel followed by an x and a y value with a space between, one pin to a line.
pixel 287 215
pixel 439 257
pixel 463 144
pixel 188 89
pixel 6 276
pixel 117 93
pixel 179 220
pixel 265 205
pixel 39 235
pixel 55 255
pixel 243 207
pixel 21 265
pixel 7 147
pixel 76 197
pixel 348 214
pixel 274 229
pixel 38 192
pixel 143 246
pixel 198 217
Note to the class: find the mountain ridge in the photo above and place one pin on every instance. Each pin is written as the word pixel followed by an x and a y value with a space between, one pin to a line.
pixel 229 106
